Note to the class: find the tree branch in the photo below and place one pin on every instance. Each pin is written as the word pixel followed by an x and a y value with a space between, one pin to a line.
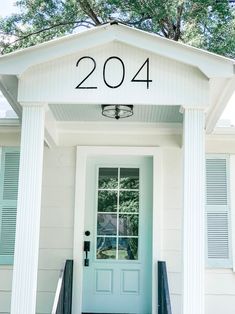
pixel 178 22
pixel 20 38
pixel 164 31
pixel 86 7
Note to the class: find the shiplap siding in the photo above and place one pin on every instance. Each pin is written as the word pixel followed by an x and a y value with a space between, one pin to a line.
pixel 56 232
pixel 57 223
pixel 172 223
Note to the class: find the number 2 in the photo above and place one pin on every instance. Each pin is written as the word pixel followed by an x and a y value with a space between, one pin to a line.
pixel 89 74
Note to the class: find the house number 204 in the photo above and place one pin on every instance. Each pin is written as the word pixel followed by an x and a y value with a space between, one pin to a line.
pixel 144 68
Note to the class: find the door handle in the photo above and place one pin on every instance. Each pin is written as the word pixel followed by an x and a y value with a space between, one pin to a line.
pixel 86 250
pixel 86 246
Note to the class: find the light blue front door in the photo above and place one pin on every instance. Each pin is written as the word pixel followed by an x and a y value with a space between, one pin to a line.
pixel 118 225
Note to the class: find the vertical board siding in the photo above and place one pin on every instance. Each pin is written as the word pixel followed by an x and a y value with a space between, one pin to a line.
pixel 218 212
pixel 58 78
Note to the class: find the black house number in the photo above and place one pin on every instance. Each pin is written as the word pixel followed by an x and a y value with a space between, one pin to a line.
pixel 144 68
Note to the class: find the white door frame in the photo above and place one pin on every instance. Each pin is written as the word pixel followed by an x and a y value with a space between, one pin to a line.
pixel 83 152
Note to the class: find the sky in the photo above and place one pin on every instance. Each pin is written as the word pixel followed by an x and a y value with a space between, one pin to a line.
pixel 7 7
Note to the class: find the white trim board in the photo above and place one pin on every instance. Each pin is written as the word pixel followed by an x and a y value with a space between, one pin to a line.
pixel 83 152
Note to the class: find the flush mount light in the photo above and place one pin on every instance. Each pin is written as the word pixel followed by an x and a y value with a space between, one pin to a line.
pixel 117 111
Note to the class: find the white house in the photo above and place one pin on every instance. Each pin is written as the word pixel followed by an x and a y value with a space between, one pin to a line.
pixel 133 187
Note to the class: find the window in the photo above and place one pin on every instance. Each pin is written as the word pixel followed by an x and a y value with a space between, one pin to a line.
pixel 9 172
pixel 219 253
pixel 118 214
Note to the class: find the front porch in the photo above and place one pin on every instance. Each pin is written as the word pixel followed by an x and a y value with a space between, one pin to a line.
pixel 60 105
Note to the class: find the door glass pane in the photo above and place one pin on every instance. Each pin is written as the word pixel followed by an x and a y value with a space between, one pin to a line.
pixel 106 248
pixel 108 178
pixel 118 213
pixel 129 178
pixel 129 201
pixel 106 224
pixel 128 225
pixel 107 201
pixel 128 249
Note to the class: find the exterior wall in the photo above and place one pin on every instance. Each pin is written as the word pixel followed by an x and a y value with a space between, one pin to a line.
pixel 56 234
pixel 172 223
pixel 7 139
pixel 56 238
pixel 220 283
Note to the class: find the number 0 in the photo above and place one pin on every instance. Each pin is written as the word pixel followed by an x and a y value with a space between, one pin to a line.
pixel 123 72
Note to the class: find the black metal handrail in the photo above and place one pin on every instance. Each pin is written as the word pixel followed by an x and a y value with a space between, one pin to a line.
pixel 63 296
pixel 164 303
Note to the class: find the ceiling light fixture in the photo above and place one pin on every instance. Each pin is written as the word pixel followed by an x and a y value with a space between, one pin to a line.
pixel 117 111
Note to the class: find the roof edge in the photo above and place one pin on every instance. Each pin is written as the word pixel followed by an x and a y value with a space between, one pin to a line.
pixel 114 23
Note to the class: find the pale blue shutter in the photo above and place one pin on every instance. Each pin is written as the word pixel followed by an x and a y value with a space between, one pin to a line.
pixel 218 212
pixel 8 202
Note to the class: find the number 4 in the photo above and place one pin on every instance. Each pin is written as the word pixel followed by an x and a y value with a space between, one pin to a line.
pixel 146 63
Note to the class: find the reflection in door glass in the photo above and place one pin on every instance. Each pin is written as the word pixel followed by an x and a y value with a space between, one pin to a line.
pixel 106 248
pixel 129 178
pixel 106 224
pixel 107 201
pixel 128 225
pixel 128 249
pixel 129 201
pixel 118 214
pixel 108 178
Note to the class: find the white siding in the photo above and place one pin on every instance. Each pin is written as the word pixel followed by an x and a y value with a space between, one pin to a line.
pixel 220 291
pixel 56 235
pixel 58 79
pixel 56 239
pixel 172 223
pixel 220 283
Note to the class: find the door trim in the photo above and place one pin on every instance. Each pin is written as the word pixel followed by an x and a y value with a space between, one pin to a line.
pixel 83 152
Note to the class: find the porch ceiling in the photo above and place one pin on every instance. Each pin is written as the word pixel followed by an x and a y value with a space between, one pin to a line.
pixel 142 113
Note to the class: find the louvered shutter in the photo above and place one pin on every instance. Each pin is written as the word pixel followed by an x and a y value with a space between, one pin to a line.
pixel 218 212
pixel 8 202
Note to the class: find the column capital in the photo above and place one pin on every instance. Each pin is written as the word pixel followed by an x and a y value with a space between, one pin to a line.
pixel 184 108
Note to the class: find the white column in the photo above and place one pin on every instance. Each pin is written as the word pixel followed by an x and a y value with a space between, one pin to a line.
pixel 23 300
pixel 193 221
